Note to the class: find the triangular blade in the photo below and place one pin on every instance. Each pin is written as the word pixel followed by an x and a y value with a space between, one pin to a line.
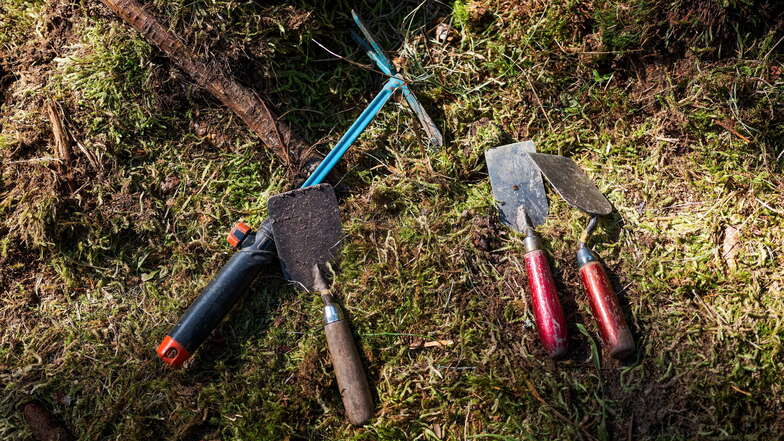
pixel 432 132
pixel 517 184
pixel 571 182
pixel 307 230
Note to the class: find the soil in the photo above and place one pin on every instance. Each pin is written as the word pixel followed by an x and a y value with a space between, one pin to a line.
pixel 303 240
pixel 44 425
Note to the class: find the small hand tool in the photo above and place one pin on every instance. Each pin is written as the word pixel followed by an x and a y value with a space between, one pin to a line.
pixel 307 230
pixel 375 53
pixel 257 248
pixel 576 188
pixel 518 188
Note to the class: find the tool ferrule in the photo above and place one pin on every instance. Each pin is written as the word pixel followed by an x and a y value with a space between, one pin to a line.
pixel 532 243
pixel 585 255
pixel 332 314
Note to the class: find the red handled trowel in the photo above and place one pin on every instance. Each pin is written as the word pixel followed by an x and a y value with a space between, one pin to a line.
pixel 307 230
pixel 576 188
pixel 519 191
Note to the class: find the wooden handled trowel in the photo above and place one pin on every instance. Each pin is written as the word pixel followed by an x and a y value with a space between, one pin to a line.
pixel 519 190
pixel 307 230
pixel 571 182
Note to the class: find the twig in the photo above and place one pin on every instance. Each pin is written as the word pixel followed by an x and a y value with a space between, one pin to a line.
pixel 732 130
pixel 61 141
pixel 252 109
pixel 348 60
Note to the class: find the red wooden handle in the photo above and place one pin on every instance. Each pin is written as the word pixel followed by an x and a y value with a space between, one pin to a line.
pixel 604 304
pixel 550 321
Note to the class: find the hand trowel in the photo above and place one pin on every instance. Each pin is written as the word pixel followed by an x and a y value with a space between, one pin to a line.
pixel 576 188
pixel 519 190
pixel 307 230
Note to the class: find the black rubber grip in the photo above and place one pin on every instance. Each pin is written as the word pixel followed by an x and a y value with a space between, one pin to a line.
pixel 217 299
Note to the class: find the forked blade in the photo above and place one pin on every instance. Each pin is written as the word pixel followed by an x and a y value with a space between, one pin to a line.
pixel 517 183
pixel 571 182
pixel 307 230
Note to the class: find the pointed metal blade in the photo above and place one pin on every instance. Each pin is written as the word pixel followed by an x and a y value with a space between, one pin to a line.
pixel 375 52
pixel 516 184
pixel 432 132
pixel 571 182
pixel 307 230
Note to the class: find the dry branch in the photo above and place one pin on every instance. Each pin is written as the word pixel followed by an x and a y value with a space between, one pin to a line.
pixel 244 102
pixel 62 145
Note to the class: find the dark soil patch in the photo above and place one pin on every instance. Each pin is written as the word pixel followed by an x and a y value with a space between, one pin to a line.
pixel 44 425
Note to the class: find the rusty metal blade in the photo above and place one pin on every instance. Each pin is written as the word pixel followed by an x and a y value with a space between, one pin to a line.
pixel 517 183
pixel 571 182
pixel 307 229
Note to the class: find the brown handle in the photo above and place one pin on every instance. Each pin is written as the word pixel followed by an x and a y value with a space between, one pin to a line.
pixel 351 377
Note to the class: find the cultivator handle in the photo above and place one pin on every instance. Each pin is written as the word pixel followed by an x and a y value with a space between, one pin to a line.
pixel 216 300
pixel 550 321
pixel 604 305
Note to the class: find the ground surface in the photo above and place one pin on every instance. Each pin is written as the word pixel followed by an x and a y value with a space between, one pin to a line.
pixel 674 108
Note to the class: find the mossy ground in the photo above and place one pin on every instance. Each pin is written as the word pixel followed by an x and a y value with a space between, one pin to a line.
pixel 674 108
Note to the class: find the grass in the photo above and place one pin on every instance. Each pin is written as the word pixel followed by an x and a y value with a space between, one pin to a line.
pixel 674 109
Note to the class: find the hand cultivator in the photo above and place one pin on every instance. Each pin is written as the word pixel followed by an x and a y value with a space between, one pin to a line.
pixel 516 177
pixel 257 248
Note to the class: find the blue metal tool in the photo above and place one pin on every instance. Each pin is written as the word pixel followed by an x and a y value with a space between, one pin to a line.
pixel 395 82
pixel 257 248
pixel 375 53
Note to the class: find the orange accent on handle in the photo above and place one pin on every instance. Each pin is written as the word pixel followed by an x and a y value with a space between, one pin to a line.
pixel 172 352
pixel 237 234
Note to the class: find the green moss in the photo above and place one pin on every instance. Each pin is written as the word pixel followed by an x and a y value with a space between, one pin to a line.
pixel 111 75
pixel 19 18
pixel 460 14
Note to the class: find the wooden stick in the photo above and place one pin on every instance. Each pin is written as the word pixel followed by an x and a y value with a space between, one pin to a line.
pixel 244 102
pixel 62 145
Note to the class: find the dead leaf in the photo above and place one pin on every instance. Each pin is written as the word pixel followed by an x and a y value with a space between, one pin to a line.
pixel 419 343
pixel 443 32
pixel 730 246
pixel 438 431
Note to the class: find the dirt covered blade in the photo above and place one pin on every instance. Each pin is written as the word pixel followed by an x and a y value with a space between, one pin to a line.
pixel 517 183
pixel 571 182
pixel 307 230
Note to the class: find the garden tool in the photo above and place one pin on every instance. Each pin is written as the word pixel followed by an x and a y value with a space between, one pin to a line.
pixel 576 188
pixel 518 188
pixel 257 248
pixel 375 53
pixel 306 226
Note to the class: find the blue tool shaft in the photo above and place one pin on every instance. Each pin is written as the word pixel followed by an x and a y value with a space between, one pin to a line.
pixel 353 132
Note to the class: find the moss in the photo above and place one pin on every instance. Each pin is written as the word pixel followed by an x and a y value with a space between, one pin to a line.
pixel 684 144
pixel 460 14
